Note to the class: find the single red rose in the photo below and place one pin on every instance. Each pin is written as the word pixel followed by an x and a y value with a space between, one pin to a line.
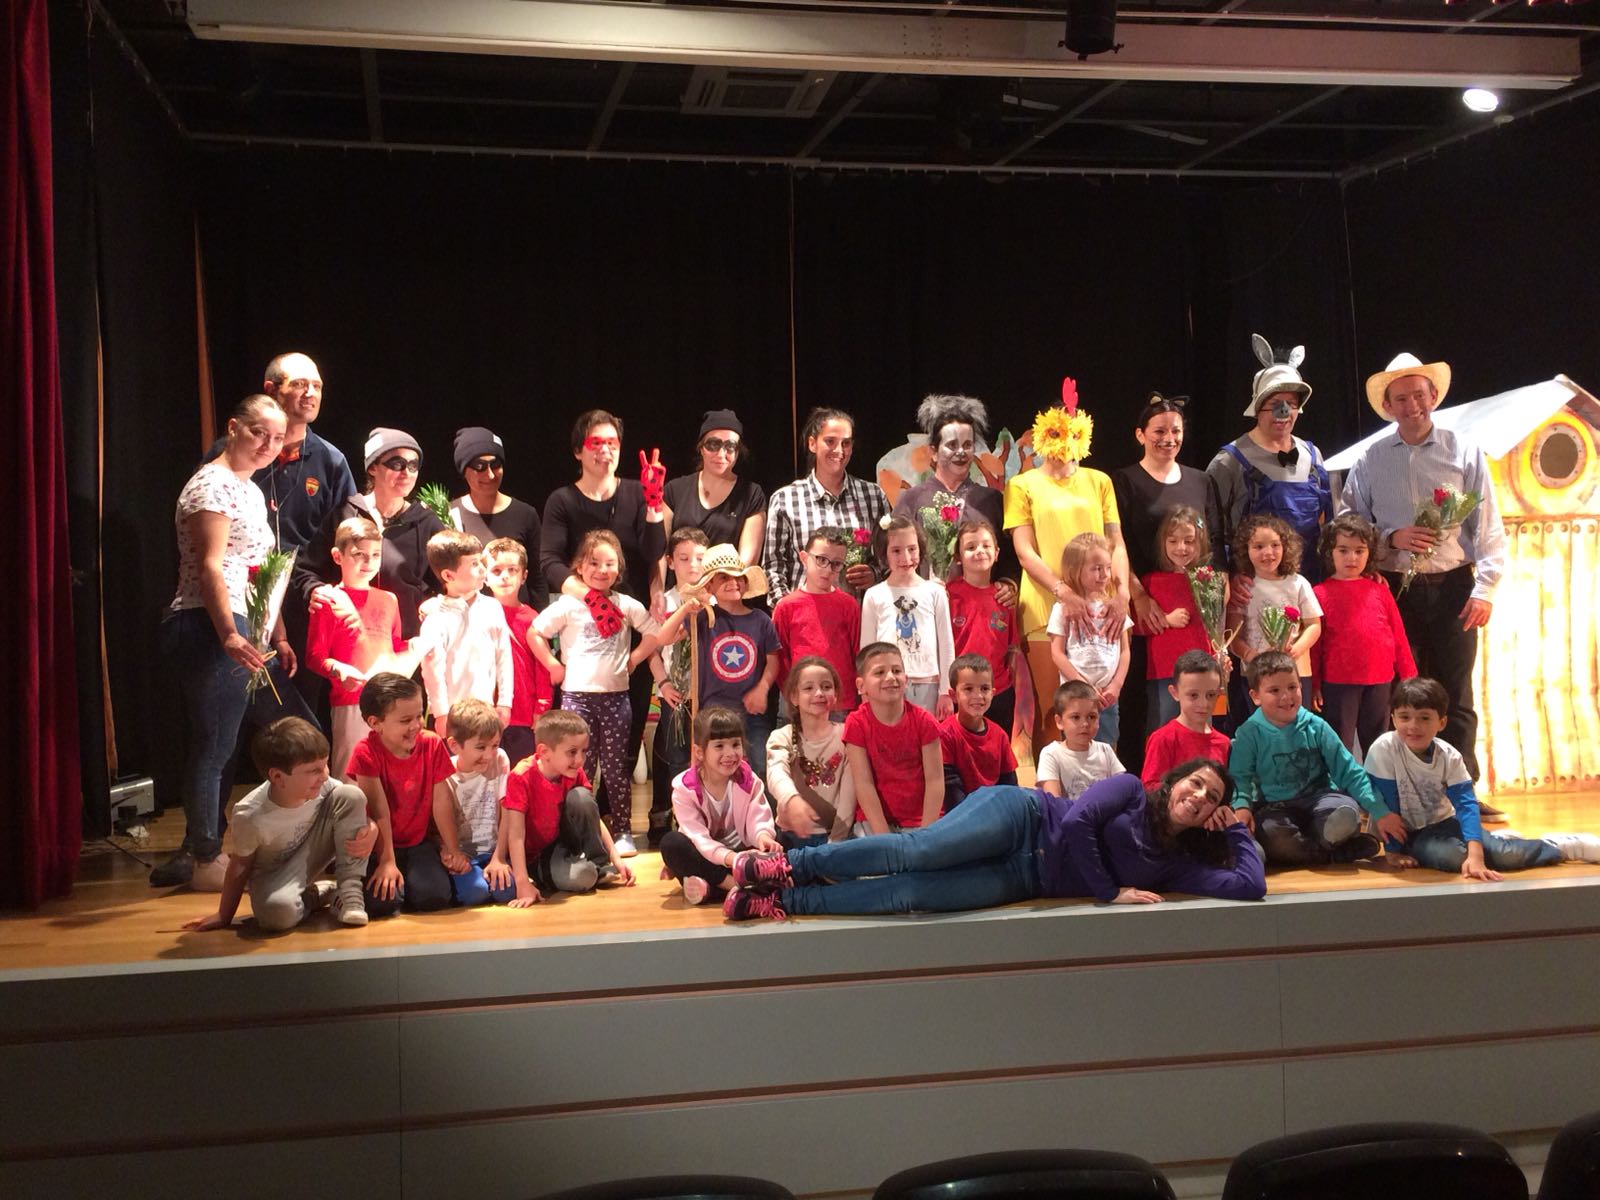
pixel 1204 574
pixel 950 512
pixel 1291 613
pixel 862 537
pixel 254 571
pixel 1440 495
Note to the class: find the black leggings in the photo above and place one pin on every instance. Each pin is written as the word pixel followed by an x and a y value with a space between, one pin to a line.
pixel 680 856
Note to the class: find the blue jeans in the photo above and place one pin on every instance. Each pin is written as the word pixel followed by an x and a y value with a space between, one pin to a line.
pixel 211 689
pixel 470 888
pixel 1110 725
pixel 1302 832
pixel 757 728
pixel 1160 707
pixel 983 853
pixel 1441 847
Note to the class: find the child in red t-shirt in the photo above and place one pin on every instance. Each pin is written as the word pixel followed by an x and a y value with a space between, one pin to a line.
pixel 1175 627
pixel 976 751
pixel 345 654
pixel 819 618
pixel 1363 648
pixel 531 689
pixel 892 748
pixel 1196 684
pixel 403 770
pixel 980 622
pixel 551 832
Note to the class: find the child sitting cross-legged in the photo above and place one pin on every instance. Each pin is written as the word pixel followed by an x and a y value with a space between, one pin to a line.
pixel 976 751
pixel 551 832
pixel 465 644
pixel 1067 768
pixel 1298 787
pixel 1422 779
pixel 403 770
pixel 721 807
pixel 467 813
pixel 286 832
pixel 892 748
pixel 1196 684
pixel 808 777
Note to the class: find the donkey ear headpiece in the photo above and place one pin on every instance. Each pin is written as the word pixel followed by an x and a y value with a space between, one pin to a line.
pixel 1280 372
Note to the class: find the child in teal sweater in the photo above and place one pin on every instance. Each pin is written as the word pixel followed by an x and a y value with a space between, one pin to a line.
pixel 1301 789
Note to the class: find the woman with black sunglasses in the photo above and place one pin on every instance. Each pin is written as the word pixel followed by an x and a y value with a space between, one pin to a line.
pixel 488 513
pixel 713 498
pixel 394 461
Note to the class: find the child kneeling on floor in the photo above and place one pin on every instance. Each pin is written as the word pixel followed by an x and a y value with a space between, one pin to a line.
pixel 286 832
pixel 721 807
pixel 1424 780
pixel 550 829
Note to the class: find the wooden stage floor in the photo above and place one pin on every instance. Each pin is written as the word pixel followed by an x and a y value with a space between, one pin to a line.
pixel 115 917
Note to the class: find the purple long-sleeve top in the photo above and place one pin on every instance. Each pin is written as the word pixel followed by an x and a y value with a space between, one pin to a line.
pixel 1100 843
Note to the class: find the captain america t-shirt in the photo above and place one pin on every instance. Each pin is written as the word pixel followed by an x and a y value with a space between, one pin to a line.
pixel 733 653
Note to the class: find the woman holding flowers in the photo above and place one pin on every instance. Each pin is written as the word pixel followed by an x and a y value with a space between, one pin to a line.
pixel 954 425
pixel 1045 509
pixel 224 539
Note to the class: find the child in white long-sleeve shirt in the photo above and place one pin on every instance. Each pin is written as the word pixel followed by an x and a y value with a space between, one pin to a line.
pixel 721 807
pixel 464 644
pixel 911 614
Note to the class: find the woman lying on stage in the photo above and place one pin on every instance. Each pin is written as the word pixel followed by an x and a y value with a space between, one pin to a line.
pixel 1115 843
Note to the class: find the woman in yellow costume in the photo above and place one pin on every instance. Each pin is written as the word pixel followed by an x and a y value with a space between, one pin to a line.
pixel 1046 508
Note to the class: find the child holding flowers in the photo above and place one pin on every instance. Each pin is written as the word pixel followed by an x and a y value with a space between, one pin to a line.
pixel 1182 545
pixel 1281 612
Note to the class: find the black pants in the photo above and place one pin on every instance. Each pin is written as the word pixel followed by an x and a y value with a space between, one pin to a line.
pixel 1431 610
pixel 426 886
pixel 680 857
pixel 577 836
pixel 1358 712
pixel 669 758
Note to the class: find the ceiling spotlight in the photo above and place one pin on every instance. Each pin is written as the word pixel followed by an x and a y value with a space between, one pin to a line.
pixel 1480 100
pixel 1091 27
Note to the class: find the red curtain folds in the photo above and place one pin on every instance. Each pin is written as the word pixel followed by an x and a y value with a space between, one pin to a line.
pixel 41 803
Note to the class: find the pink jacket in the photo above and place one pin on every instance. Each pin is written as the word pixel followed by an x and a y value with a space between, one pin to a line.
pixel 748 812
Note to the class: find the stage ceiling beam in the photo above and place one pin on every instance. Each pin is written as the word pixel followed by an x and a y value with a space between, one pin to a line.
pixel 910 44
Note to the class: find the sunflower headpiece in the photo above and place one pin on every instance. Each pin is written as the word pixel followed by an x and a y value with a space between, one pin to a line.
pixel 1063 433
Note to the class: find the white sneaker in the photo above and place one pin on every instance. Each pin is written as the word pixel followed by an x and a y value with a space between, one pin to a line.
pixel 349 904
pixel 625 846
pixel 319 894
pixel 208 876
pixel 695 889
pixel 1574 847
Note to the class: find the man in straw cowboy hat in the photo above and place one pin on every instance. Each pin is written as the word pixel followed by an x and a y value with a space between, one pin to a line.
pixel 1457 569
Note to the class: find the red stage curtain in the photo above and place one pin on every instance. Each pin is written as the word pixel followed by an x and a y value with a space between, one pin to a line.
pixel 41 804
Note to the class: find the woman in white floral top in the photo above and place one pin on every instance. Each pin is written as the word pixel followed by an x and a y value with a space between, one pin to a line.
pixel 222 533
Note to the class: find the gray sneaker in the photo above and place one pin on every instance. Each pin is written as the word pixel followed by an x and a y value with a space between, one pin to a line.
pixel 350 903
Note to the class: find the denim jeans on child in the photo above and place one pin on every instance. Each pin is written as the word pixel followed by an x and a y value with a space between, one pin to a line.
pixel 211 687
pixel 1441 847
pixel 471 888
pixel 1302 832
pixel 983 853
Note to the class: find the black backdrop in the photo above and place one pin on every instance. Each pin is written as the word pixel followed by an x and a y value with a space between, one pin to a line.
pixel 442 290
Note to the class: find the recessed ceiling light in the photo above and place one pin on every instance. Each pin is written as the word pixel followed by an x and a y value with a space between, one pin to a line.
pixel 1480 100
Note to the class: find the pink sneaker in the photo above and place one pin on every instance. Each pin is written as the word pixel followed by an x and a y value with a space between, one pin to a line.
pixel 695 889
pixel 752 906
pixel 762 872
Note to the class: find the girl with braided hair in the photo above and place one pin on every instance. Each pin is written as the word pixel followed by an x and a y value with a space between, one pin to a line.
pixel 808 777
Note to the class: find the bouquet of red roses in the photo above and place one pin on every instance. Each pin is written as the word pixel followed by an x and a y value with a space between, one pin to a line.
pixel 1443 513
pixel 940 518
pixel 860 550
pixel 1210 590
pixel 1279 625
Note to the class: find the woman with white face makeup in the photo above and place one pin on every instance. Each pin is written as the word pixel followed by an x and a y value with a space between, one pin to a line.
pixel 955 426
pixel 1116 844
